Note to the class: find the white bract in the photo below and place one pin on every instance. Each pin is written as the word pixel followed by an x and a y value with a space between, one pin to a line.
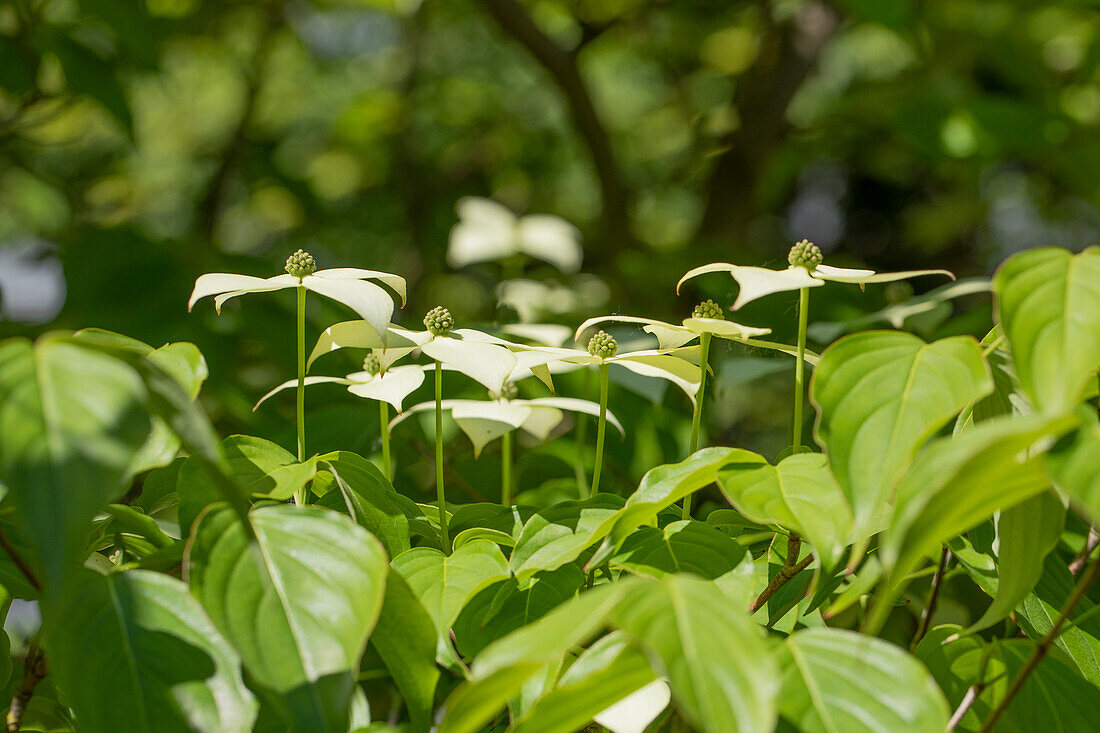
pixel 484 358
pixel 483 421
pixel 670 336
pixel 756 282
pixel 487 231
pixel 392 386
pixel 679 366
pixel 348 285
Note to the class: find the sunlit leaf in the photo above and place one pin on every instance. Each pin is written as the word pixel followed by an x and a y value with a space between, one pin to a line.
pixel 71 419
pixel 297 594
pixel 716 660
pixel 1049 308
pixel 837 680
pixel 141 634
pixel 880 395
pixel 799 494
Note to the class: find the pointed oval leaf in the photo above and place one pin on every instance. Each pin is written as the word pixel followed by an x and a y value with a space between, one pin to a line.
pixel 444 584
pixel 71 419
pixel 297 597
pixel 1048 303
pixel 880 395
pixel 838 680
pixel 717 661
pixel 140 634
pixel 799 494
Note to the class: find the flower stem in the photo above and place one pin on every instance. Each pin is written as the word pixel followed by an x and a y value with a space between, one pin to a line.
pixel 580 432
pixel 600 430
pixel 299 495
pixel 384 429
pixel 445 540
pixel 800 369
pixel 506 469
pixel 697 416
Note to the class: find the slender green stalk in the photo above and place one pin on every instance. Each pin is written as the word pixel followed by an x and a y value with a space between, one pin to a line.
pixel 580 431
pixel 697 416
pixel 384 428
pixel 600 430
pixel 299 495
pixel 445 540
pixel 800 369
pixel 506 469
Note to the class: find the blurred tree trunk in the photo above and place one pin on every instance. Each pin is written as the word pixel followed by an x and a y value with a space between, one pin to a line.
pixel 562 66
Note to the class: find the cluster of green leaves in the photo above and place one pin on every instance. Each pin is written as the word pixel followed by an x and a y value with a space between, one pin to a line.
pixel 179 590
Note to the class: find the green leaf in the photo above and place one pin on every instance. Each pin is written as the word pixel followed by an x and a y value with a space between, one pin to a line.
pixel 602 675
pixel 1080 640
pixel 370 499
pixel 130 519
pixel 717 661
pixel 1074 464
pixel 1026 533
pixel 134 651
pixel 1049 307
pixel 880 395
pixel 258 466
pixel 502 608
pixel 445 584
pixel 500 671
pixel 1054 697
pixel 405 638
pixel 662 487
pixel 558 535
pixel 71 419
pixel 837 680
pixel 958 482
pixel 297 599
pixel 680 547
pixel 799 494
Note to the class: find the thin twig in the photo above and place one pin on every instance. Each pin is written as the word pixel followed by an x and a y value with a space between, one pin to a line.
pixel 972 694
pixel 1082 557
pixel 1039 652
pixel 790 569
pixel 933 598
pixel 20 563
pixel 34 672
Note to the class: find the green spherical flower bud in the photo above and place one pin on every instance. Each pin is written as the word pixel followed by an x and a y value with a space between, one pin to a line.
pixel 439 321
pixel 603 345
pixel 371 364
pixel 509 391
pixel 708 309
pixel 300 264
pixel 805 254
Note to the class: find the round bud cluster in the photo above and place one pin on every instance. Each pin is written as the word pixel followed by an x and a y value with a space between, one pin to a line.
pixel 371 364
pixel 300 264
pixel 708 309
pixel 439 321
pixel 805 254
pixel 509 391
pixel 603 345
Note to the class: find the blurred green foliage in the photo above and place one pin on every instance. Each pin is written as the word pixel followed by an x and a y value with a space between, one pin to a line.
pixel 144 143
